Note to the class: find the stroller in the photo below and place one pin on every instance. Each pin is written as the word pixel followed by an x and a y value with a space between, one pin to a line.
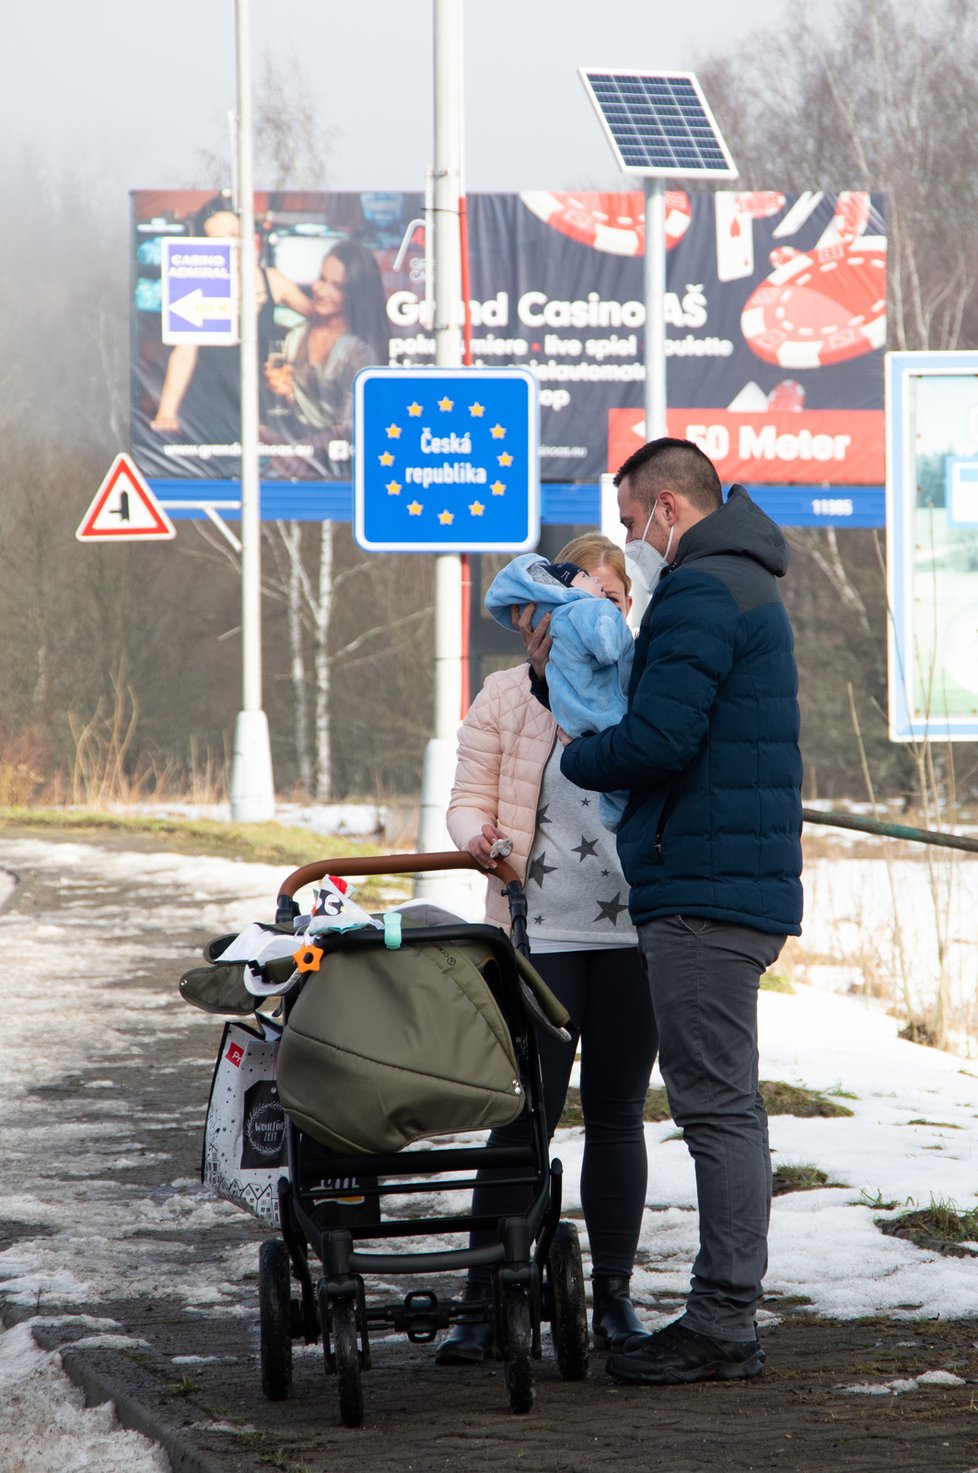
pixel 392 1034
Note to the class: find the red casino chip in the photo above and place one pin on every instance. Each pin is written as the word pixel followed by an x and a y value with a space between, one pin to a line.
pixel 607 222
pixel 761 204
pixel 819 307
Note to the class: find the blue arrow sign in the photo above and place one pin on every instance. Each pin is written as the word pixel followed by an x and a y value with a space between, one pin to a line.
pixel 446 460
pixel 200 290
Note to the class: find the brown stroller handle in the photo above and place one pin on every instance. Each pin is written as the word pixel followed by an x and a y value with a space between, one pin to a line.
pixel 390 864
pixel 543 1007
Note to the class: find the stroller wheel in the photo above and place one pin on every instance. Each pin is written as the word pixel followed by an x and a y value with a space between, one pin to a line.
pixel 342 1353
pixel 568 1304
pixel 275 1311
pixel 518 1344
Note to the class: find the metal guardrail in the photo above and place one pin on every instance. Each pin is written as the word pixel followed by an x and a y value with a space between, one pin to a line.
pixel 890 830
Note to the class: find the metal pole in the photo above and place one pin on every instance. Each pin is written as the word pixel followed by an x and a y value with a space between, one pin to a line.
pixel 887 830
pixel 440 752
pixel 655 313
pixel 252 786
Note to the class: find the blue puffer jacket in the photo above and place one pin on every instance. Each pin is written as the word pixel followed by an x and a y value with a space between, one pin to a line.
pixel 709 747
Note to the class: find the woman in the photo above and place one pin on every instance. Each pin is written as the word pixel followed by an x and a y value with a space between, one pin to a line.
pixel 346 331
pixel 201 393
pixel 508 785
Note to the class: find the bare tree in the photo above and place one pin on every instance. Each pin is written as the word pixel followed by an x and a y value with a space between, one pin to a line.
pixel 877 95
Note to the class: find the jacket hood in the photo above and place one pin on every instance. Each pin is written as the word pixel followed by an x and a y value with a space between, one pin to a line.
pixel 740 527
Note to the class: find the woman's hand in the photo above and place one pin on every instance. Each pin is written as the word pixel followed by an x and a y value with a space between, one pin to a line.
pixel 480 845
pixel 164 421
pixel 536 642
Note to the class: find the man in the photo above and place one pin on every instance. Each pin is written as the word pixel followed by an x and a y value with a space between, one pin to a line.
pixel 710 843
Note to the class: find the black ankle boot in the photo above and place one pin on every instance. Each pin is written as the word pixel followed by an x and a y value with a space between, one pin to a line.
pixel 614 1322
pixel 470 1339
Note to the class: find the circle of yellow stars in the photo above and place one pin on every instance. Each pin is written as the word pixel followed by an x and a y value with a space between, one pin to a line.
pixel 476 508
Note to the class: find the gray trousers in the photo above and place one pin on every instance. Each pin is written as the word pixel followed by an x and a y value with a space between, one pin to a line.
pixel 703 976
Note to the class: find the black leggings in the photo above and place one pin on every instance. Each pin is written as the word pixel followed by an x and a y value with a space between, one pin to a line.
pixel 606 993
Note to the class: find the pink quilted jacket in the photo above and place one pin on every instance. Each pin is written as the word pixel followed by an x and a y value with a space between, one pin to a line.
pixel 503 746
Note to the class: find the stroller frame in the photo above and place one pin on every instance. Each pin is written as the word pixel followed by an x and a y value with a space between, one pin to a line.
pixel 535 1261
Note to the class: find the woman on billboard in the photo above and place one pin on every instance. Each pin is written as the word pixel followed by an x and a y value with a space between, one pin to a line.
pixel 346 331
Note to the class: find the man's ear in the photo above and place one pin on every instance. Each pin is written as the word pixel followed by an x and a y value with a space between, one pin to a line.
pixel 669 502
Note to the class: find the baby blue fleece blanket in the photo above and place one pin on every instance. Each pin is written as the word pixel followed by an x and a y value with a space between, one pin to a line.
pixel 591 659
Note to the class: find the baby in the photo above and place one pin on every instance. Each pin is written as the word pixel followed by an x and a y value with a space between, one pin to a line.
pixel 569 574
pixel 591 654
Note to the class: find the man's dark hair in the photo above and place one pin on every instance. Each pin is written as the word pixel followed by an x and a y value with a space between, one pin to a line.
pixel 677 464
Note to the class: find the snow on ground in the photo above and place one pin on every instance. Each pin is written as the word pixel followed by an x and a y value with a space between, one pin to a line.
pixel 45 1426
pixel 909 1140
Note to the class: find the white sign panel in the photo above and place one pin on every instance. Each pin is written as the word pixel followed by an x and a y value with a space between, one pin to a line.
pixel 932 544
pixel 200 290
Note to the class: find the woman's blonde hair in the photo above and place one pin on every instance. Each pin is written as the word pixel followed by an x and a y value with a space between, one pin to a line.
pixel 593 549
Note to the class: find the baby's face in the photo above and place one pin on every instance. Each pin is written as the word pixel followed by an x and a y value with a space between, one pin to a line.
pixel 589 583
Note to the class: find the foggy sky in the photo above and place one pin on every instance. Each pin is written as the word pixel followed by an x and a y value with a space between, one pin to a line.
pixel 126 92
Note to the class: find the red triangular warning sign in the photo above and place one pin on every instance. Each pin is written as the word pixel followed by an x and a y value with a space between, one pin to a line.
pixel 124 508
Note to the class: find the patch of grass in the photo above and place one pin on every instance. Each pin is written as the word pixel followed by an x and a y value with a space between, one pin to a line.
pixel 793 1099
pixel 787 1301
pixel 934 1124
pixel 941 1227
pixel 283 1460
pixel 257 843
pixel 186 1386
pixel 779 1099
pixel 776 982
pixel 919 1030
pixel 875 1200
pixel 264 843
pixel 573 1115
pixel 656 1108
pixel 841 1094
pixel 800 1179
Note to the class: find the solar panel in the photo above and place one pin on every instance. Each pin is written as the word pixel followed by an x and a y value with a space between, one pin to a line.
pixel 659 124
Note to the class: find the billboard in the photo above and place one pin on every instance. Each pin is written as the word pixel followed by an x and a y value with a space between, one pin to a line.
pixel 775 310
pixel 932 545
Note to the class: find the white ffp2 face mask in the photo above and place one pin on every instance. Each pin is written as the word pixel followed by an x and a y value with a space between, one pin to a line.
pixel 645 563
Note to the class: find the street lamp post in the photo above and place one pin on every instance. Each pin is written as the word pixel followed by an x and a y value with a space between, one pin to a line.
pixel 252 785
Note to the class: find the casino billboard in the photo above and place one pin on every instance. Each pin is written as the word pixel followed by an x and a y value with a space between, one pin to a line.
pixel 775 317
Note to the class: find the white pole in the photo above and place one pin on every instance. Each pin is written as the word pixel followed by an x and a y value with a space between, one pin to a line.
pixel 655 314
pixel 252 786
pixel 439 762
pixel 447 177
pixel 448 335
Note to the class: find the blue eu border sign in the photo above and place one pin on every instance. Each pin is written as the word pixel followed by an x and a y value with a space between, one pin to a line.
pixel 446 460
pixel 932 544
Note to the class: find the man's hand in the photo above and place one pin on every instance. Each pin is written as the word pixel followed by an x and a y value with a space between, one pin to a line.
pixel 480 845
pixel 536 642
pixel 563 738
